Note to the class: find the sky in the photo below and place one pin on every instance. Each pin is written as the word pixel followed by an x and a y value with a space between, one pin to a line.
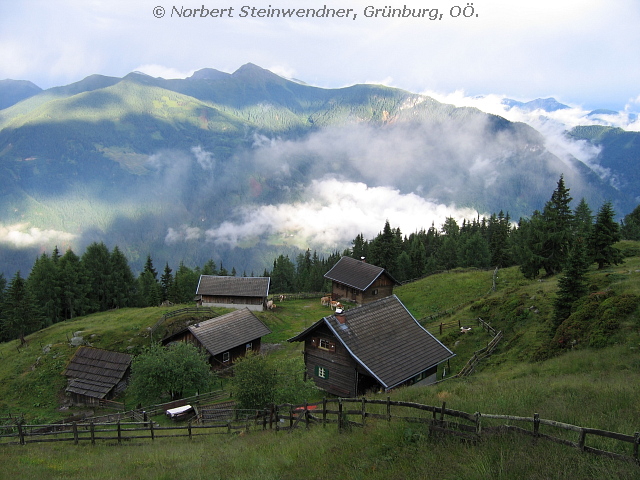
pixel 583 53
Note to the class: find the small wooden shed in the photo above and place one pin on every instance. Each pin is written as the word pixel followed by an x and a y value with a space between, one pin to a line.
pixel 359 282
pixel 232 292
pixel 379 346
pixel 225 338
pixel 96 375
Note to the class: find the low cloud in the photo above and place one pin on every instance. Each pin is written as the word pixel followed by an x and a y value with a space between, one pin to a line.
pixel 161 71
pixel 333 213
pixel 21 235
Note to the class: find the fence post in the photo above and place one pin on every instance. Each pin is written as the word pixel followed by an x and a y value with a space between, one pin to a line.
pixel 388 409
pixel 290 417
pixel 189 429
pixel 153 437
pixel 74 427
pixel 92 429
pixel 440 328
pixel 478 426
pixel 636 441
pixel 119 432
pixel 581 439
pixel 536 424
pixel 306 414
pixel 21 434
pixel 442 413
pixel 364 411
pixel 340 415
pixel 324 411
pixel 277 418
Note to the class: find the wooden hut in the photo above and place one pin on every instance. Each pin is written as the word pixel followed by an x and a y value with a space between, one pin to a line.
pixel 225 338
pixel 378 346
pixel 232 292
pixel 359 282
pixel 96 375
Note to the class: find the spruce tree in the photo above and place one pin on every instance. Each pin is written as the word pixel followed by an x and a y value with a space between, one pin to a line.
pixel 20 315
pixel 74 285
pixel 572 284
pixel 630 229
pixel 605 233
pixel 558 222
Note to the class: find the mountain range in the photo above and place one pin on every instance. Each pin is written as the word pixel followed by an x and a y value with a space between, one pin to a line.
pixel 240 167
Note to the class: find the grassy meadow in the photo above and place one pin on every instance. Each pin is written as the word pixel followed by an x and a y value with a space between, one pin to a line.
pixel 584 386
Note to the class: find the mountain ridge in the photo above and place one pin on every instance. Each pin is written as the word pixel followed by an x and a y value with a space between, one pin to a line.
pixel 215 152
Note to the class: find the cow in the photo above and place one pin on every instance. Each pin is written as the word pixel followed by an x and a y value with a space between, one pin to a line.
pixel 325 301
pixel 335 305
pixel 271 305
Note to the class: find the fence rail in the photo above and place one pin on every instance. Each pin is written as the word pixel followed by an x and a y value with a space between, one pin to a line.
pixel 345 412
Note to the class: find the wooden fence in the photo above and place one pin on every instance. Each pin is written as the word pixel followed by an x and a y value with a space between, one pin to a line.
pixel 343 412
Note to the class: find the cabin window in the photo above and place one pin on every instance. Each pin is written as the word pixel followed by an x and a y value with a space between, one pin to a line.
pixel 248 346
pixel 321 372
pixel 374 291
pixel 325 344
pixel 226 356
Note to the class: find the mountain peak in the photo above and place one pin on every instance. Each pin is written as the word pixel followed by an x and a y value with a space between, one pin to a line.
pixel 208 74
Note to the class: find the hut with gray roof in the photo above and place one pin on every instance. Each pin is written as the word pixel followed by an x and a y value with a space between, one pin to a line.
pixel 378 346
pixel 95 375
pixel 232 292
pixel 225 338
pixel 359 282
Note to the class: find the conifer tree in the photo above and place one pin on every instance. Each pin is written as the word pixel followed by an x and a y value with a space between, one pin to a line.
pixel 630 229
pixel 166 282
pixel 558 222
pixel 572 284
pixel 20 316
pixel 583 219
pixel 74 285
pixel 44 284
pixel 96 262
pixel 605 233
pixel 122 280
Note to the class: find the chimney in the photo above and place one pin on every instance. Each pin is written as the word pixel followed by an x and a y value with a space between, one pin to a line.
pixel 340 316
pixel 363 259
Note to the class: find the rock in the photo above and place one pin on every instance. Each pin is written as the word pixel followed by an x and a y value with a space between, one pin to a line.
pixel 76 341
pixel 47 348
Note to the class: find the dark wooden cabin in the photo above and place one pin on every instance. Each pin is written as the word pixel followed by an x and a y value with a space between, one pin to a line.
pixel 359 282
pixel 379 346
pixel 225 338
pixel 232 292
pixel 96 375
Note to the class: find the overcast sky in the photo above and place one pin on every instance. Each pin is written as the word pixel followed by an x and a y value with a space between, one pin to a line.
pixel 584 53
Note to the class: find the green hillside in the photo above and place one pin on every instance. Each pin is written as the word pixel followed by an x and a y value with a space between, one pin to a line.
pixel 595 386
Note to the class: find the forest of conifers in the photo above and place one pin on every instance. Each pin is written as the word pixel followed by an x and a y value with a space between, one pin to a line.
pixel 63 286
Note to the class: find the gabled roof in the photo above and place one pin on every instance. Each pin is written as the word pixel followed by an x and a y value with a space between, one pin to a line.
pixel 94 372
pixel 355 273
pixel 225 332
pixel 386 340
pixel 233 286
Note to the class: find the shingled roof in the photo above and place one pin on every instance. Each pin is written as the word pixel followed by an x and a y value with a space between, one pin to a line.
pixel 94 372
pixel 225 332
pixel 386 340
pixel 233 286
pixel 355 273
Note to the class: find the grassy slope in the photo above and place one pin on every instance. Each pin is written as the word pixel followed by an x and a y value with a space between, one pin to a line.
pixel 587 387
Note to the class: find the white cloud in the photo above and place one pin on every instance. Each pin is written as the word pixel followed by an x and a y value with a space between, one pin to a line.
pixel 21 235
pixel 161 71
pixel 205 159
pixel 333 213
